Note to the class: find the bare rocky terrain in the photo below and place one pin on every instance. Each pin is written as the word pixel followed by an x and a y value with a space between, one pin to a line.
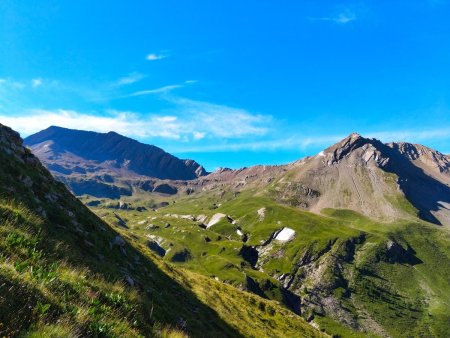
pixel 357 173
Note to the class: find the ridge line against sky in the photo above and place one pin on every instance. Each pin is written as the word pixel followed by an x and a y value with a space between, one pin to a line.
pixel 275 86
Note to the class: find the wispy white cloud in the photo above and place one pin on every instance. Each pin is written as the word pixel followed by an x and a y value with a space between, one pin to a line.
pixel 160 90
pixel 126 123
pixel 202 127
pixel 198 135
pixel 129 79
pixel 196 126
pixel 341 17
pixel 198 120
pixel 304 142
pixel 16 85
pixel 345 17
pixel 36 82
pixel 156 56
pixel 11 94
pixel 221 120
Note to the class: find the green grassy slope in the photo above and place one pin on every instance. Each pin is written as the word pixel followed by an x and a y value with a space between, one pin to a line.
pixel 65 272
pixel 354 275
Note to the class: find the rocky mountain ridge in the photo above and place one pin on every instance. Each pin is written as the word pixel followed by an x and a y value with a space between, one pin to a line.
pixel 385 181
pixel 70 150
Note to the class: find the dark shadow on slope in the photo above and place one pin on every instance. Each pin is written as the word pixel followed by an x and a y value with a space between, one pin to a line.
pixel 396 253
pixel 290 299
pixel 424 192
pixel 96 188
pixel 17 305
pixel 250 254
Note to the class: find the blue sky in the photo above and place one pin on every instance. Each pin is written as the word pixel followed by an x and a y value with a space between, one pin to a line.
pixel 229 83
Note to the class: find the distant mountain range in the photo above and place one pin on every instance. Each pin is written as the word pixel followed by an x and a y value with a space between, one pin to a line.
pixel 384 181
pixel 105 164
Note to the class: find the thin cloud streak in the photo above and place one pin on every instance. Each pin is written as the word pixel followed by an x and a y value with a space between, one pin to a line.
pixel 343 17
pixel 161 90
pixel 208 127
pixel 156 56
pixel 129 79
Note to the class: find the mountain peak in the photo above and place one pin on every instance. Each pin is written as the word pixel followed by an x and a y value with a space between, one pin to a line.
pixel 115 149
pixel 343 148
pixel 354 135
pixel 350 140
pixel 111 132
pixel 55 129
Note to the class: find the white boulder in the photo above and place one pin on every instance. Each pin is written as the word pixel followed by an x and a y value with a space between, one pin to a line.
pixel 285 234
